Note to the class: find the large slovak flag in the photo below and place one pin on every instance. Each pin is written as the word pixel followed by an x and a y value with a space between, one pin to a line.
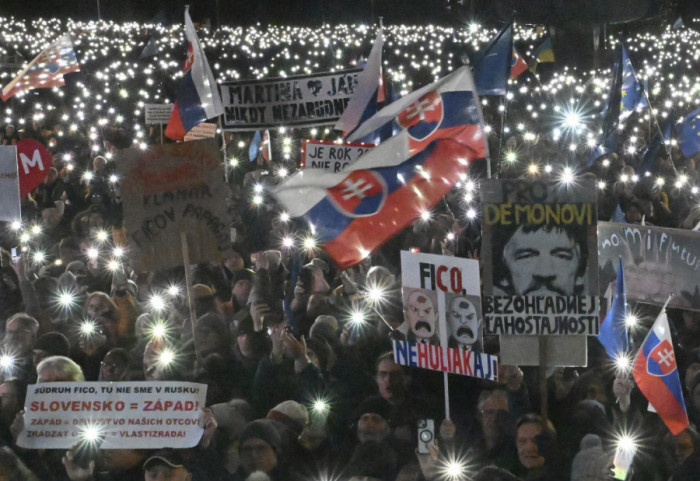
pixel 363 104
pixel 198 96
pixel 355 212
pixel 656 374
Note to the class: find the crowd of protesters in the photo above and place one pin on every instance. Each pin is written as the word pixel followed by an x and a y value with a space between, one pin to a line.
pixel 299 387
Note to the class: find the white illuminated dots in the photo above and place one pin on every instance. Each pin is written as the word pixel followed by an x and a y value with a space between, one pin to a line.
pixel 357 317
pixel 174 290
pixel 7 362
pixel 567 176
pixel 67 299
pixel 288 242
pixel 309 243
pixel 166 357
pixel 102 235
pixel 88 328
pixel 320 406
pixel 157 303
pixel 113 265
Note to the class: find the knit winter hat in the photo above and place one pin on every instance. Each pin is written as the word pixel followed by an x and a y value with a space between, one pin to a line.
pixel 55 343
pixel 290 413
pixel 262 429
pixel 231 416
pixel 590 462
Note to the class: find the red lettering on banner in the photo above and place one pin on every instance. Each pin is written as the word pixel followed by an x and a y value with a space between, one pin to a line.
pixel 441 270
pixel 422 355
pixel 456 361
pixel 467 358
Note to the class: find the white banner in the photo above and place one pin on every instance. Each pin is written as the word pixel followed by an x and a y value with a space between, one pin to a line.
pixel 9 184
pixel 124 415
pixel 299 101
pixel 330 156
pixel 158 113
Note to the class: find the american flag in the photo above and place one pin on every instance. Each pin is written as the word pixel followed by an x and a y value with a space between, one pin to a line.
pixel 46 70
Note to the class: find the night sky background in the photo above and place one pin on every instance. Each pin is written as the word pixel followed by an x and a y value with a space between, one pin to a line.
pixel 314 12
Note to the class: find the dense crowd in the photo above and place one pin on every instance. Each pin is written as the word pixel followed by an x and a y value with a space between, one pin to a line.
pixel 295 354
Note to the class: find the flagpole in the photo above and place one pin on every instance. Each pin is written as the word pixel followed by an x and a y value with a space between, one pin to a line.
pixel 223 143
pixel 656 122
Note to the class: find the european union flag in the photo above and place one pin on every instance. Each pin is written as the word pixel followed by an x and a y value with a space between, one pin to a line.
pixel 631 91
pixel 613 332
pixel 492 70
pixel 690 133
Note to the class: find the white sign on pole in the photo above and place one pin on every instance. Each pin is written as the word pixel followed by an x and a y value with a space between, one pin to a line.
pixel 123 415
pixel 201 131
pixel 442 328
pixel 330 156
pixel 9 184
pixel 158 113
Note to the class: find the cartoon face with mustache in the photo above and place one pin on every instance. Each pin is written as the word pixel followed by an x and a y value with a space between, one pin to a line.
pixel 543 261
pixel 463 321
pixel 421 315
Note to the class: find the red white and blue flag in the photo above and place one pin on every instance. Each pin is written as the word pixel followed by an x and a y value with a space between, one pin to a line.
pixel 198 96
pixel 354 212
pixel 46 70
pixel 518 64
pixel 656 374
pixel 369 92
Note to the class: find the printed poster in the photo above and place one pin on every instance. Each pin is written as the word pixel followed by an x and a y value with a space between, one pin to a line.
pixel 442 328
pixel 539 257
pixel 115 415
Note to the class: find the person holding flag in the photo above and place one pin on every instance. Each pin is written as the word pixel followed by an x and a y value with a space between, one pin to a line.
pixel 198 96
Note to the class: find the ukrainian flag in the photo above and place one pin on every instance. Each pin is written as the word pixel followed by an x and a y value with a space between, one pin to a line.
pixel 543 54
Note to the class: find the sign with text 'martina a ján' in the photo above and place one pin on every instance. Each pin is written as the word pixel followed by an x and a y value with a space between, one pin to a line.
pixel 114 415
pixel 299 101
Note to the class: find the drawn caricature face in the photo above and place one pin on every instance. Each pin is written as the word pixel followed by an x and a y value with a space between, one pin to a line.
pixel 542 262
pixel 463 321
pixel 421 315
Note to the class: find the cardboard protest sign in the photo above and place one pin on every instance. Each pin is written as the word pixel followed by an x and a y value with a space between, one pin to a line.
pixel 539 258
pixel 657 262
pixel 171 189
pixel 9 184
pixel 442 317
pixel 204 130
pixel 33 161
pixel 126 415
pixel 157 113
pixel 330 156
pixel 299 101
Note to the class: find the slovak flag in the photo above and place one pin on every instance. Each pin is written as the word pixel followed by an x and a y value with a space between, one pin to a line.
pixel 198 96
pixel 656 374
pixel 370 91
pixel 354 212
